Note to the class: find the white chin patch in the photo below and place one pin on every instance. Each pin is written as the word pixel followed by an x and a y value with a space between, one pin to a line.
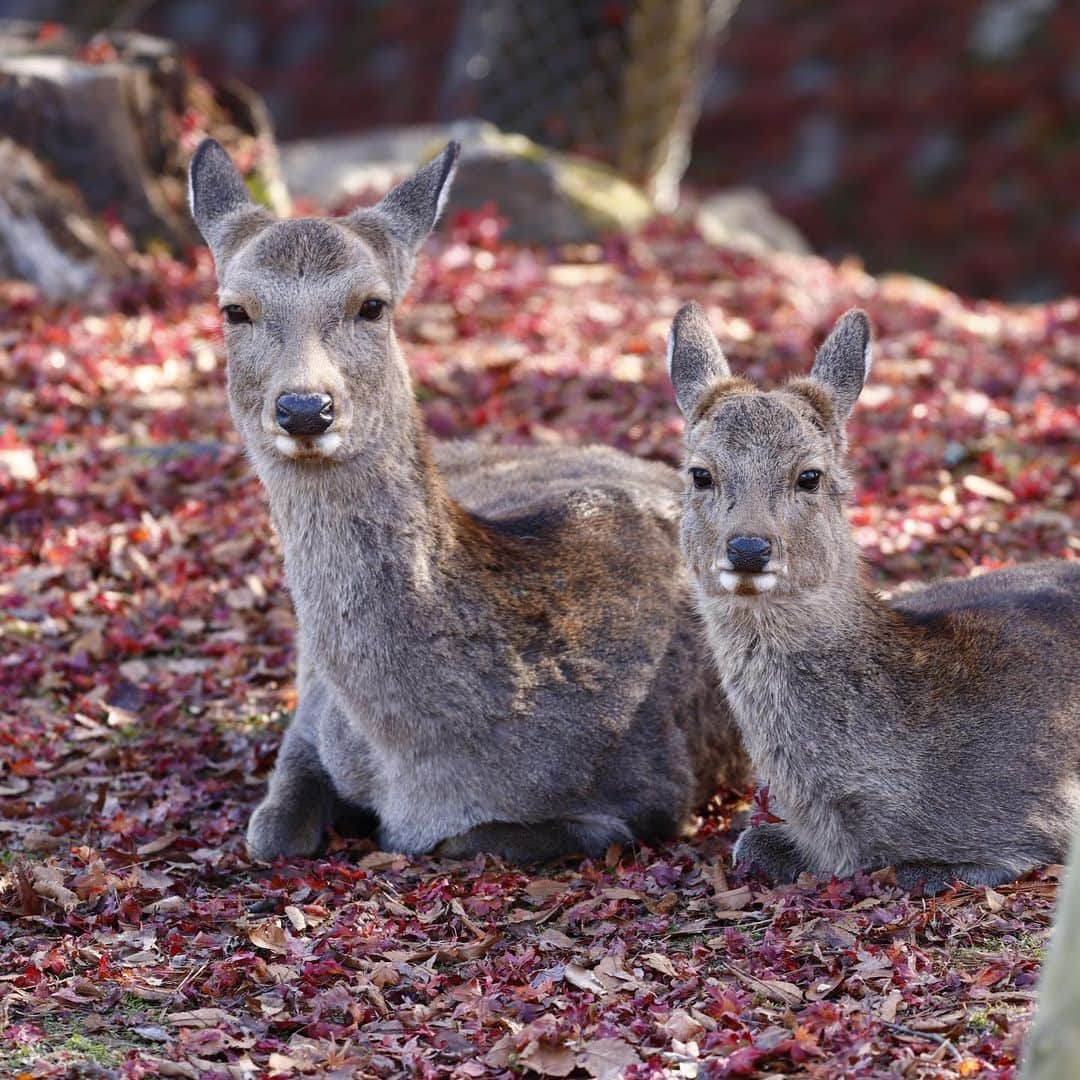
pixel 320 446
pixel 328 443
pixel 746 584
pixel 287 445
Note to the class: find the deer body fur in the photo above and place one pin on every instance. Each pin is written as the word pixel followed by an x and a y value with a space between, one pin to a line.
pixel 497 647
pixel 938 732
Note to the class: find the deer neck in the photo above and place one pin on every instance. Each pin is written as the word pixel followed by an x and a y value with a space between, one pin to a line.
pixel 365 540
pixel 773 653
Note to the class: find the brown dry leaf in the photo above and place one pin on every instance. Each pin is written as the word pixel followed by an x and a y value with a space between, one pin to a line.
pixel 733 899
pixel 468 950
pixel 296 917
pixel 166 904
pixel 682 1026
pixel 200 1018
pixel 92 642
pixel 994 900
pixel 583 979
pixel 614 976
pixel 556 938
pixel 165 1067
pixel 616 892
pixel 542 888
pixel 888 1007
pixel 714 874
pixel 664 904
pixel 659 962
pixel 282 1063
pixel 937 1024
pixel 779 990
pixel 382 860
pixel 607 1059
pixel 498 1057
pixel 48 881
pixel 822 988
pixel 786 993
pixel 269 935
pixel 152 847
pixel 547 1059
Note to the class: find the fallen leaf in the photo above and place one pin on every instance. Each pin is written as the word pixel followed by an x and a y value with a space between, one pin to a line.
pixel 607 1059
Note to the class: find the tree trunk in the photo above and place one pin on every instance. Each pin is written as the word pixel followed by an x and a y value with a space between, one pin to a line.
pixel 117 117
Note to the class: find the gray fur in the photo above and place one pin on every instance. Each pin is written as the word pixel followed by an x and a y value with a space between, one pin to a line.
pixel 694 358
pixel 938 732
pixel 498 649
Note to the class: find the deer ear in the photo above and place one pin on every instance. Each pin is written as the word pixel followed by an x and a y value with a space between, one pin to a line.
pixel 694 357
pixel 216 193
pixel 417 203
pixel 399 224
pixel 843 361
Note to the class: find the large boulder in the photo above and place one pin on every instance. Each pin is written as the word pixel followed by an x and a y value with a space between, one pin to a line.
pixel 117 116
pixel 546 197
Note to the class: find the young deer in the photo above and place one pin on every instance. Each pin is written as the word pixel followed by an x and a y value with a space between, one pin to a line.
pixel 938 732
pixel 498 649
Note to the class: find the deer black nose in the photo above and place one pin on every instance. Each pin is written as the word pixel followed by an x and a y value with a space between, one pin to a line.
pixel 305 414
pixel 749 553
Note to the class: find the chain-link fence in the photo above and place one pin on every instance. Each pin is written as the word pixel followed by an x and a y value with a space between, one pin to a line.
pixel 618 80
pixel 621 82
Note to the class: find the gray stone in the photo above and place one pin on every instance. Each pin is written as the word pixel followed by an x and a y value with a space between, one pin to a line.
pixel 744 218
pixel 546 196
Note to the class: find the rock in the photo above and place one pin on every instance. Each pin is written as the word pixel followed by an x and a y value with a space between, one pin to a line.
pixel 546 197
pixel 329 171
pixel 744 218
pixel 47 234
pixel 118 116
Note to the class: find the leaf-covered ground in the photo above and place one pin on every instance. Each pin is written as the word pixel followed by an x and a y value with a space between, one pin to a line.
pixel 146 672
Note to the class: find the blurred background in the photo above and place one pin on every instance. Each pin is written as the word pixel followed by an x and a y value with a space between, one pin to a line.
pixel 935 139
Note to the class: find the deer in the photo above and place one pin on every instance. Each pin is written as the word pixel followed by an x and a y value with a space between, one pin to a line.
pixel 936 732
pixel 497 650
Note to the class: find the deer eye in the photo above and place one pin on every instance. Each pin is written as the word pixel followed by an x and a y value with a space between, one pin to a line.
pixel 810 480
pixel 702 478
pixel 371 310
pixel 235 314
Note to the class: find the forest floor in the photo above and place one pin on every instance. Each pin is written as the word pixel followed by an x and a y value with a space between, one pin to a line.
pixel 146 673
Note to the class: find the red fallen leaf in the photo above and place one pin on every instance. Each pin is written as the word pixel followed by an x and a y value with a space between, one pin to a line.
pixel 130 532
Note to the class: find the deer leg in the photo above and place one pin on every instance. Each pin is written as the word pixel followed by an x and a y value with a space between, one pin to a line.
pixel 293 817
pixel 539 842
pixel 771 850
pixel 936 877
